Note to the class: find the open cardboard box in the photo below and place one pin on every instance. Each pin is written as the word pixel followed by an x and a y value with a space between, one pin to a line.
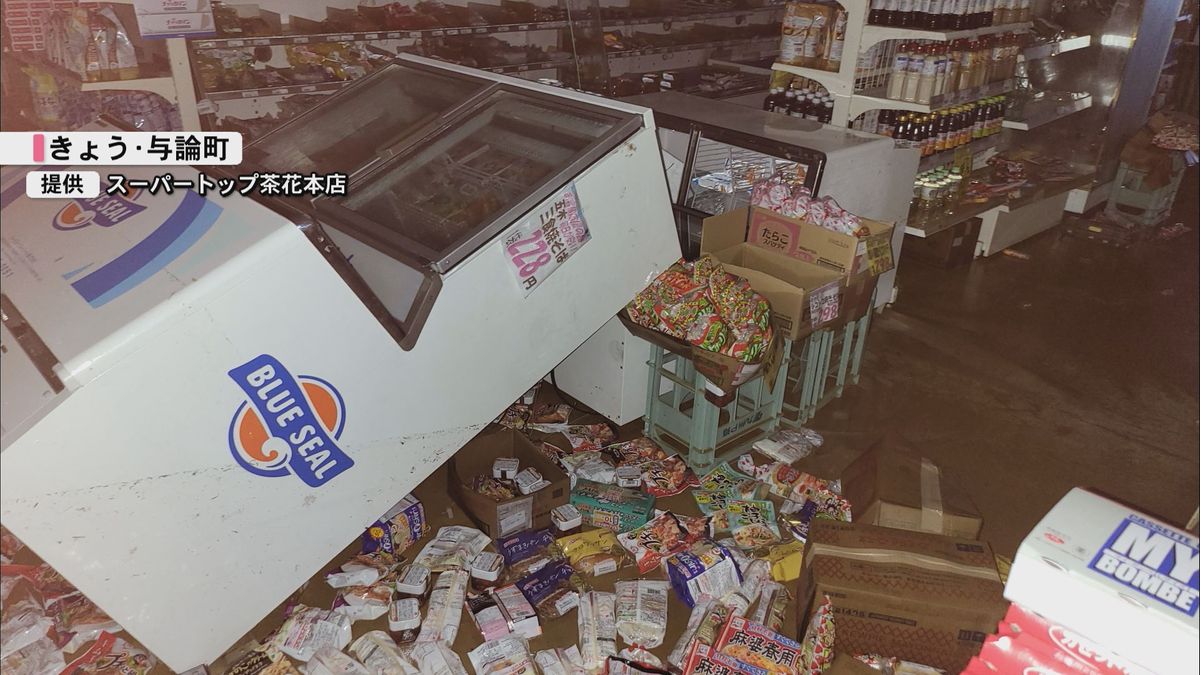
pixel 785 281
pixel 893 486
pixel 805 241
pixel 500 519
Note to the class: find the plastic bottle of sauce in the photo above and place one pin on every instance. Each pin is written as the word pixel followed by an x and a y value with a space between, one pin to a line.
pixel 916 66
pixel 898 79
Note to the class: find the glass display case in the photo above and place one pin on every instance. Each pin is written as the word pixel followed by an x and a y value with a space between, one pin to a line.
pixel 439 161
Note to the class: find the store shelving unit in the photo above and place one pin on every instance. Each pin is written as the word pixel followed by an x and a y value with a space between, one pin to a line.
pixel 848 85
pixel 1038 113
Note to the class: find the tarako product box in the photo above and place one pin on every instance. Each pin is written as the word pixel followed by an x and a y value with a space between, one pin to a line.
pixel 800 239
pixel 787 282
pixel 610 506
pixel 892 486
pixel 502 518
pixel 921 597
pixel 1122 579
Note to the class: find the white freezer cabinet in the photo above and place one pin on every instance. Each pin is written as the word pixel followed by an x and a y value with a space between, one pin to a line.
pixel 205 398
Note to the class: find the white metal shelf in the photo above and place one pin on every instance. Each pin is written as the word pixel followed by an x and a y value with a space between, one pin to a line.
pixel 832 80
pixel 1057 47
pixel 163 86
pixel 872 34
pixel 861 103
pixel 1038 113
pixel 612 24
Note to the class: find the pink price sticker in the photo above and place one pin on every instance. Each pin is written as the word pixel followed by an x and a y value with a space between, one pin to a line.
pixel 545 239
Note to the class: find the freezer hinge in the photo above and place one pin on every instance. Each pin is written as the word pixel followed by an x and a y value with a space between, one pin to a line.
pixel 33 345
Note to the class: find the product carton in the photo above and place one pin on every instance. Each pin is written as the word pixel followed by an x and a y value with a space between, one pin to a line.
pixel 500 519
pixel 1124 580
pixel 891 486
pixel 917 596
pixel 785 283
pixel 805 241
pixel 610 506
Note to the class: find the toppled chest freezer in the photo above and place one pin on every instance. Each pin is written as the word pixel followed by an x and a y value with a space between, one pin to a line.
pixel 205 398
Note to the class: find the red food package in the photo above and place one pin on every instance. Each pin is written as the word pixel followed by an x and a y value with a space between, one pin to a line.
pixel 659 538
pixel 635 452
pixel 111 653
pixel 78 620
pixel 9 544
pixel 1023 655
pixel 760 646
pixel 704 660
pixel 1026 626
pixel 666 477
pixel 49 584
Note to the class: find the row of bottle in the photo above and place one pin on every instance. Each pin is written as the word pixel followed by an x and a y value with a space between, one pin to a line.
pixel 949 14
pixel 802 103
pixel 921 71
pixel 940 131
pixel 938 190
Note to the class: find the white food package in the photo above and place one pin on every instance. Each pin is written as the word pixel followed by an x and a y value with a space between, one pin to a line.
pixel 641 611
pixel 24 624
pixel 445 608
pixel 330 661
pixel 308 629
pixel 560 661
pixel 503 656
pixel 453 546
pixel 381 655
pixel 436 658
pixel 38 658
pixel 597 629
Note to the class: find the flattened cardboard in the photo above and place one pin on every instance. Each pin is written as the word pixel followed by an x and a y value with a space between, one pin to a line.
pixel 844 664
pixel 884 487
pixel 476 458
pixel 785 282
pixel 917 596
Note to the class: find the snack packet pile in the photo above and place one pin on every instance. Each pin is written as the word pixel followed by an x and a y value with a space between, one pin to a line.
pixel 780 195
pixel 659 538
pixel 699 303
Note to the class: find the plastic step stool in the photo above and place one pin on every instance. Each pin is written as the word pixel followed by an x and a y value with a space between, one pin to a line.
pixel 679 414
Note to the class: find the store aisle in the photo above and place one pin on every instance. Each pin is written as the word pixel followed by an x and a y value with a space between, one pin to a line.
pixel 1024 378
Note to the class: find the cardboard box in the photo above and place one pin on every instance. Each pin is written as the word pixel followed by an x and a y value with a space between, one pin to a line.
pixel 500 519
pixel 785 283
pixel 725 372
pixel 845 664
pixel 1122 579
pixel 920 597
pixel 892 486
pixel 812 243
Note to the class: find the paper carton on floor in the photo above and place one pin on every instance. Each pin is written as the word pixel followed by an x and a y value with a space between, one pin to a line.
pixel 500 519
pixel 917 596
pixel 1122 579
pixel 812 243
pixel 892 486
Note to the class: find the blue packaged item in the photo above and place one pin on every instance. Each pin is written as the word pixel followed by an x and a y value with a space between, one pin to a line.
pixel 706 568
pixel 552 590
pixel 402 525
pixel 524 545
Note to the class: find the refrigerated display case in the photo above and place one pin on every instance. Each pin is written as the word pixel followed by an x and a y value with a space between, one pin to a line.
pixel 203 403
pixel 713 150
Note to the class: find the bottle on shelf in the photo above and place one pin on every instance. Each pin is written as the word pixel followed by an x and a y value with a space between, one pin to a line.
pixel 789 101
pixel 772 98
pixel 898 78
pixel 875 16
pixel 927 76
pixel 933 15
pixel 919 13
pixel 916 66
pixel 904 14
pixel 941 62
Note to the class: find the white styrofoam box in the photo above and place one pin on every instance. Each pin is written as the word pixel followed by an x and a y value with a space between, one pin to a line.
pixel 1125 580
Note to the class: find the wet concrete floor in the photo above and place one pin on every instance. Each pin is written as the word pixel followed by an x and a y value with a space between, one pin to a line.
pixel 1025 378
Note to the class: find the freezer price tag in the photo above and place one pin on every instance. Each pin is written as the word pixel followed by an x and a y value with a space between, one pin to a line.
pixel 823 303
pixel 1154 561
pixel 542 242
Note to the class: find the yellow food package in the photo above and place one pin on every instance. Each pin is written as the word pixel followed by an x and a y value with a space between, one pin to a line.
pixel 785 561
pixel 594 552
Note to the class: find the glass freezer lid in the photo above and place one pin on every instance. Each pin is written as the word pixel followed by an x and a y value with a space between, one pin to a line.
pixel 449 194
pixel 349 131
